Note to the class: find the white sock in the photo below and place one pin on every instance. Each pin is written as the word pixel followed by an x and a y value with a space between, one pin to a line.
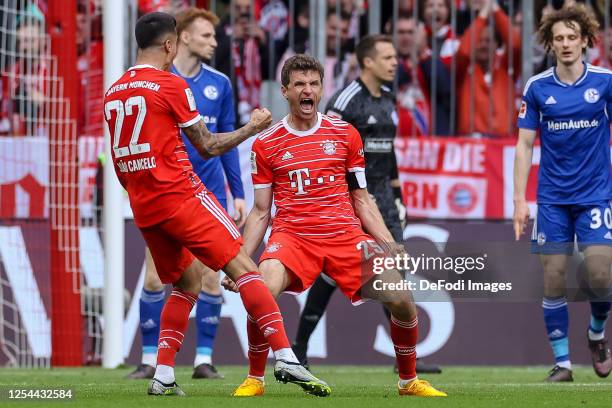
pixel 565 364
pixel 202 359
pixel 286 354
pixel 149 359
pixel 402 383
pixel 256 377
pixel 164 374
pixel 596 336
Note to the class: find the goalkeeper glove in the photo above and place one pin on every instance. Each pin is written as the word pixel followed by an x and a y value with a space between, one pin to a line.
pixel 401 208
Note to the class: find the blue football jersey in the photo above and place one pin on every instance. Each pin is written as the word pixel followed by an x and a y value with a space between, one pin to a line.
pixel 574 133
pixel 214 99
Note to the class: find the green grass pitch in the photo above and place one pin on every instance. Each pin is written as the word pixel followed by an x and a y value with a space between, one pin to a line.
pixel 352 386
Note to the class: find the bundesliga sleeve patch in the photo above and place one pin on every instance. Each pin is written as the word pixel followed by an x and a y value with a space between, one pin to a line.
pixel 523 110
pixel 190 99
pixel 253 162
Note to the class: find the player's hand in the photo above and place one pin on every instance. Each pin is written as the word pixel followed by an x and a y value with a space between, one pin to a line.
pixel 239 212
pixel 229 284
pixel 395 248
pixel 521 217
pixel 261 119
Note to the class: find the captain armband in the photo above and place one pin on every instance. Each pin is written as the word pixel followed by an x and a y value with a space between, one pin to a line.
pixel 356 178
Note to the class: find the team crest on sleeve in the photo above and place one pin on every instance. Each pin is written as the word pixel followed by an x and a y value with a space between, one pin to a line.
pixel 211 92
pixel 253 162
pixel 591 95
pixel 190 99
pixel 523 110
pixel 329 147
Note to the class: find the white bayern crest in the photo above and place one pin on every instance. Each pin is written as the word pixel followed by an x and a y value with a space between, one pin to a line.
pixel 329 147
pixel 591 95
pixel 211 92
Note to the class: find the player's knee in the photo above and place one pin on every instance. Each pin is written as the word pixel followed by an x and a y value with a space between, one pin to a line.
pixel 152 282
pixel 210 282
pixel 274 275
pixel 402 309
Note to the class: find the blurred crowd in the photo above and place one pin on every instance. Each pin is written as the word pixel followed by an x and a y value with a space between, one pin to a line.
pixel 459 72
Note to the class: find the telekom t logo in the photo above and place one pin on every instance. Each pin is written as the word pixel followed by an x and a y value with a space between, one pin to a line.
pixel 300 181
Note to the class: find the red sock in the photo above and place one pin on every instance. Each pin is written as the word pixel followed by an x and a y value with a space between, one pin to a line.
pixel 404 336
pixel 173 324
pixel 262 307
pixel 258 349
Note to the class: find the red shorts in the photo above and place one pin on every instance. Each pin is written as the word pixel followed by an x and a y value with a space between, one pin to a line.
pixel 338 257
pixel 200 227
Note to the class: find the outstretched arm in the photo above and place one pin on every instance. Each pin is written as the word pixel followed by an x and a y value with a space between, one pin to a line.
pixel 258 219
pixel 213 144
pixel 370 217
pixel 522 164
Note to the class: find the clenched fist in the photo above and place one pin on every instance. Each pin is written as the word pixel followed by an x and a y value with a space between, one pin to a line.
pixel 261 119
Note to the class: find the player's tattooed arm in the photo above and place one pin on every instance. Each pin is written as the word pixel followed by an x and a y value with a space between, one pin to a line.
pixel 258 219
pixel 522 165
pixel 213 144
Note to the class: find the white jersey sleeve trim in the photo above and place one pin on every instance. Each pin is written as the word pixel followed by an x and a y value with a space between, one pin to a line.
pixel 260 186
pixel 190 122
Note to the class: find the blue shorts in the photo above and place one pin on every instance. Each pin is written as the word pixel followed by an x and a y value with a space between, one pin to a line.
pixel 556 225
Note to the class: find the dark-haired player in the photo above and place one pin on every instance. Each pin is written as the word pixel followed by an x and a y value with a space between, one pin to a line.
pixel 177 216
pixel 312 166
pixel 570 106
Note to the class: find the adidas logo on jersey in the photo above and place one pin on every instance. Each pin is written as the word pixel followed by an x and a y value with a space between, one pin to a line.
pixel 372 120
pixel 608 235
pixel 163 345
pixel 269 331
pixel 550 101
pixel 287 156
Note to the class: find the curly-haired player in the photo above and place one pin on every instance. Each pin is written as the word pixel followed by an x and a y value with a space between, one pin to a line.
pixel 569 105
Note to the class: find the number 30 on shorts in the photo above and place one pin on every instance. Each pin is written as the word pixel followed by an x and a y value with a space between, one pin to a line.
pixel 598 217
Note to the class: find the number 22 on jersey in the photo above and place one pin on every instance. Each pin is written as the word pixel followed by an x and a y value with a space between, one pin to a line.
pixel 128 109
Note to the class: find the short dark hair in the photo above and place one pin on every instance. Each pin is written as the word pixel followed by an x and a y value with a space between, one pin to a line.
pixel 152 26
pixel 577 13
pixel 300 62
pixel 367 46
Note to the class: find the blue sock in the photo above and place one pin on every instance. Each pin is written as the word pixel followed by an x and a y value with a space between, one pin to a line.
pixel 207 320
pixel 557 321
pixel 151 304
pixel 599 315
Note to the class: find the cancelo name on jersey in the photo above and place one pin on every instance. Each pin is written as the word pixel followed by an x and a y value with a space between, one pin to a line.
pixel 572 124
pixel 145 163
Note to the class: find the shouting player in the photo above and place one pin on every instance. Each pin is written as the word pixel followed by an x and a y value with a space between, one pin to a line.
pixel 177 216
pixel 367 104
pixel 312 166
pixel 569 104
pixel 214 100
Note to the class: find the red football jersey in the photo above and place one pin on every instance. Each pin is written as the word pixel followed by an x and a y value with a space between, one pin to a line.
pixel 307 173
pixel 145 110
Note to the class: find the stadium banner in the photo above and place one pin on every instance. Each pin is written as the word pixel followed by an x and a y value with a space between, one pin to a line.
pixel 459 177
pixel 24 177
pixel 442 178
